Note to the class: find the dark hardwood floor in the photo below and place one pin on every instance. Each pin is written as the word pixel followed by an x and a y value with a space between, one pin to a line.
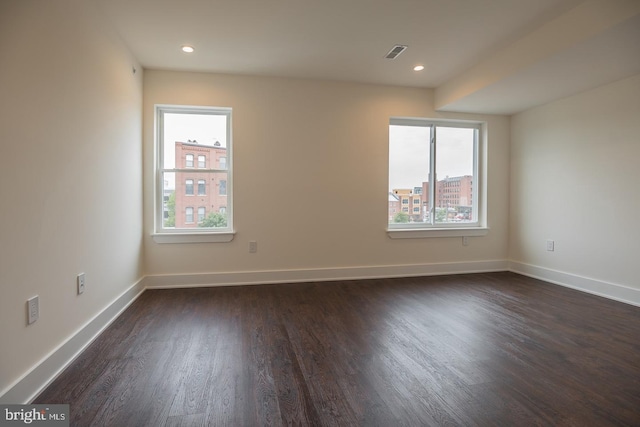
pixel 493 349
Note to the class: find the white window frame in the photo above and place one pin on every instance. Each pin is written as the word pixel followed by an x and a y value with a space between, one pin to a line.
pixel 479 195
pixel 195 235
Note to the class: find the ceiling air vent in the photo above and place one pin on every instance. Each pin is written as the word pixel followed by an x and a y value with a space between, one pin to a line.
pixel 395 51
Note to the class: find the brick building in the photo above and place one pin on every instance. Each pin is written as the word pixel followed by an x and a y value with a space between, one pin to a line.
pixel 200 192
pixel 455 194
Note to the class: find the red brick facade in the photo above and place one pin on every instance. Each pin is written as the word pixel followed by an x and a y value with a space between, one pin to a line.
pixel 199 193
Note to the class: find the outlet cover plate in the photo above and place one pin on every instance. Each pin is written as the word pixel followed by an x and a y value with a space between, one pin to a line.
pixel 33 309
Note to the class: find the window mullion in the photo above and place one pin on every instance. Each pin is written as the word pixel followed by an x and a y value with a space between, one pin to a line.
pixel 432 176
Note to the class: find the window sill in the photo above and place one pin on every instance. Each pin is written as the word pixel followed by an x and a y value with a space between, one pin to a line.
pixel 421 233
pixel 222 237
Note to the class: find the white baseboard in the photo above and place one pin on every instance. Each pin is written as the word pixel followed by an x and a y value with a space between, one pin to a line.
pixel 43 373
pixel 596 287
pixel 319 274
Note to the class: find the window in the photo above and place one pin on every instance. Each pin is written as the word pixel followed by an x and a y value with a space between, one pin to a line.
pixel 181 131
pixel 440 159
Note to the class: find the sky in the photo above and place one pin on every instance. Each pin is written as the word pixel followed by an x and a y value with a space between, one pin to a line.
pixel 409 154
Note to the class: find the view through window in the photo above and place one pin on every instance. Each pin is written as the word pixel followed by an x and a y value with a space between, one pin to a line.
pixel 186 134
pixel 433 169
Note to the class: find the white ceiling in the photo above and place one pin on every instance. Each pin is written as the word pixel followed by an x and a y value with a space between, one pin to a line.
pixel 456 40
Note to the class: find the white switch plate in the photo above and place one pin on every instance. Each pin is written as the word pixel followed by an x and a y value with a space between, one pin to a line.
pixel 81 282
pixel 551 245
pixel 33 309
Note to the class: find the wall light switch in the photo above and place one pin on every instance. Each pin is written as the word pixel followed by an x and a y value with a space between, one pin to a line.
pixel 550 245
pixel 33 309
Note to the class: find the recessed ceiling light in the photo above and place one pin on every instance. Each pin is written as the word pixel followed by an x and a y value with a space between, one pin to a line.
pixel 187 49
pixel 418 68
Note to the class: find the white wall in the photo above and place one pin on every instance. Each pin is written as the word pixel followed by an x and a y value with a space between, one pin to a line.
pixel 574 179
pixel 310 177
pixel 70 174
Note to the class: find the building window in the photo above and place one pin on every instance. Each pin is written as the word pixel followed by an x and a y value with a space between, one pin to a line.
pixel 441 158
pixel 178 127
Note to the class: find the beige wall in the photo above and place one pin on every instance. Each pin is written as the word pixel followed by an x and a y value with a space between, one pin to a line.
pixel 575 175
pixel 70 174
pixel 320 150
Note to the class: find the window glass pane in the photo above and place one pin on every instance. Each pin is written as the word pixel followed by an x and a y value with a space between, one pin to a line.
pixel 169 200
pixel 191 129
pixel 409 159
pixel 454 173
pixel 193 144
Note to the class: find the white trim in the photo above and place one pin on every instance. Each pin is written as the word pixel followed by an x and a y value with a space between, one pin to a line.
pixel 26 388
pixel 597 287
pixel 320 274
pixel 421 233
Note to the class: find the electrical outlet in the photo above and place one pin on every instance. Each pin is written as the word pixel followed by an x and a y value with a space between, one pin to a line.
pixel 465 240
pixel 551 245
pixel 253 247
pixel 33 309
pixel 80 281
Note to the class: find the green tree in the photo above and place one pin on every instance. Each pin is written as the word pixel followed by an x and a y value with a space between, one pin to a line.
pixel 170 221
pixel 214 219
pixel 401 217
pixel 441 214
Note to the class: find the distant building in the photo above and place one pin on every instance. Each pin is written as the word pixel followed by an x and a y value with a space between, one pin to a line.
pixel 199 193
pixel 455 194
pixel 407 202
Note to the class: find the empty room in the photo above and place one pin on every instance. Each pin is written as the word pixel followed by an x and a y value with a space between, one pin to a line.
pixel 356 212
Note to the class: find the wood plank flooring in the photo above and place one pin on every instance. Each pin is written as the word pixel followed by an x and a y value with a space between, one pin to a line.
pixel 468 350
